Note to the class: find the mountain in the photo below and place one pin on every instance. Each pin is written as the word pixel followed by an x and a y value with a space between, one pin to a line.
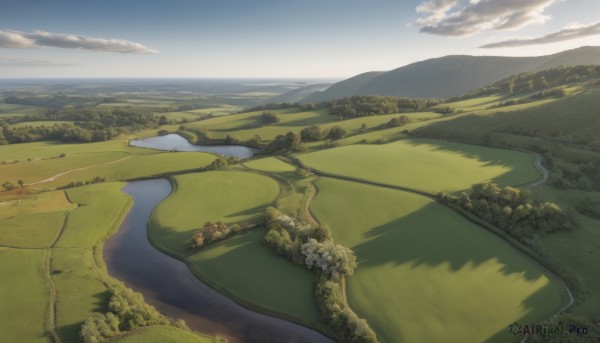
pixel 297 94
pixel 450 76
pixel 341 89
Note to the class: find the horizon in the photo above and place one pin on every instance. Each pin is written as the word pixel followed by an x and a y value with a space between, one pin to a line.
pixel 263 40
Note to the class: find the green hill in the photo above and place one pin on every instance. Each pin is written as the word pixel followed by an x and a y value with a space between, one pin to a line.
pixel 450 76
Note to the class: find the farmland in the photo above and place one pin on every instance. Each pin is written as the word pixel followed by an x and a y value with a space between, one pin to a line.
pixel 415 164
pixel 419 278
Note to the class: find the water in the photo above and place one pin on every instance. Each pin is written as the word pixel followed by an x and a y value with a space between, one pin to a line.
pixel 168 284
pixel 176 142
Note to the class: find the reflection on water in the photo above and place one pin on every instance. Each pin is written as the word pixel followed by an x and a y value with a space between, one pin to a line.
pixel 168 284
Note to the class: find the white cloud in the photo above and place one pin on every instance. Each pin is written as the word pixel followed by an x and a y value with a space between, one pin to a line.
pixel 22 40
pixel 460 18
pixel 572 31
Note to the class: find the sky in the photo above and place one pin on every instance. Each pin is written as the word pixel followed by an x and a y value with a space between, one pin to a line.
pixel 276 38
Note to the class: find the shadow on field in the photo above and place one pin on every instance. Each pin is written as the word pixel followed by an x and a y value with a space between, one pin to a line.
pixel 434 235
pixel 70 333
pixel 490 157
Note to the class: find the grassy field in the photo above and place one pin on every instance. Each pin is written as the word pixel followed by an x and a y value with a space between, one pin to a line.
pixel 100 208
pixel 244 126
pixel 270 164
pixel 24 296
pixel 162 334
pixel 578 248
pixel 80 292
pixel 269 281
pixel 192 115
pixel 425 274
pixel 9 110
pixel 425 165
pixel 35 230
pixel 231 197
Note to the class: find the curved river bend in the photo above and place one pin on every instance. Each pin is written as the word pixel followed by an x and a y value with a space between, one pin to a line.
pixel 168 284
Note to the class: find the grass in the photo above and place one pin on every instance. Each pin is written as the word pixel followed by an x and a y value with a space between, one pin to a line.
pixel 24 296
pixel 100 209
pixel 270 164
pixel 34 230
pixel 425 273
pixel 231 197
pixel 162 334
pixel 269 281
pixel 578 248
pixel 425 165
pixel 80 292
pixel 9 110
pixel 192 115
pixel 241 266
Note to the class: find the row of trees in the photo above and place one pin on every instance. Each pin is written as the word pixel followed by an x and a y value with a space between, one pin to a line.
pixel 212 232
pixel 551 93
pixel 369 105
pixel 291 141
pixel 127 310
pixel 511 209
pixel 313 247
pixel 97 179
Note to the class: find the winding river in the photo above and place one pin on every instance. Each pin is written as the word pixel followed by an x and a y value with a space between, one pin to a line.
pixel 167 283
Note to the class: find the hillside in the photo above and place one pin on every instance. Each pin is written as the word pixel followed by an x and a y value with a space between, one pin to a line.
pixel 297 94
pixel 450 76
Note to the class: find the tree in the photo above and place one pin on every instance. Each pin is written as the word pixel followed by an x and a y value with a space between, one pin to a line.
pixel 336 132
pixel 21 183
pixel 311 134
pixel 8 185
pixel 269 117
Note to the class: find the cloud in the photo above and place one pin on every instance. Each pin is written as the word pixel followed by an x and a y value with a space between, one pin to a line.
pixel 460 18
pixel 23 40
pixel 28 62
pixel 569 32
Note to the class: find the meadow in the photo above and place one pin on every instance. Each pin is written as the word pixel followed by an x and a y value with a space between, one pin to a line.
pixel 268 282
pixel 425 165
pixel 420 278
pixel 24 286
pixel 163 334
pixel 269 164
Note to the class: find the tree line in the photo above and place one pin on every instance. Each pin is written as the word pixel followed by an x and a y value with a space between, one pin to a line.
pixel 127 310
pixel 512 210
pixel 314 248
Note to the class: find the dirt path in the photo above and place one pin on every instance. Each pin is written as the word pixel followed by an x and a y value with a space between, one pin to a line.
pixel 50 179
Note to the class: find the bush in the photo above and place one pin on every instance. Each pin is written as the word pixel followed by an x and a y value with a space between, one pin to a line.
pixel 336 132
pixel 311 134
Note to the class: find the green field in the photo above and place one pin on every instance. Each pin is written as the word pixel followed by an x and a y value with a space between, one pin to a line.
pixel 425 165
pixel 24 296
pixel 9 110
pixel 162 334
pixel 231 197
pixel 425 274
pixel 192 115
pixel 80 292
pixel 101 207
pixel 269 282
pixel 35 230
pixel 270 164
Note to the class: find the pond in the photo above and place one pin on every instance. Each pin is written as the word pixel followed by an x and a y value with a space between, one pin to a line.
pixel 168 284
pixel 176 142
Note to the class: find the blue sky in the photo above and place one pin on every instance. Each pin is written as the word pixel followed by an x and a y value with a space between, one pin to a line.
pixel 276 38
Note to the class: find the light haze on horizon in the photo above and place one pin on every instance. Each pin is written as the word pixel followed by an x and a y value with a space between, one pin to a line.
pixel 276 39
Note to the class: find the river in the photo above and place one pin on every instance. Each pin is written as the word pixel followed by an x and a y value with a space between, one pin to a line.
pixel 168 284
